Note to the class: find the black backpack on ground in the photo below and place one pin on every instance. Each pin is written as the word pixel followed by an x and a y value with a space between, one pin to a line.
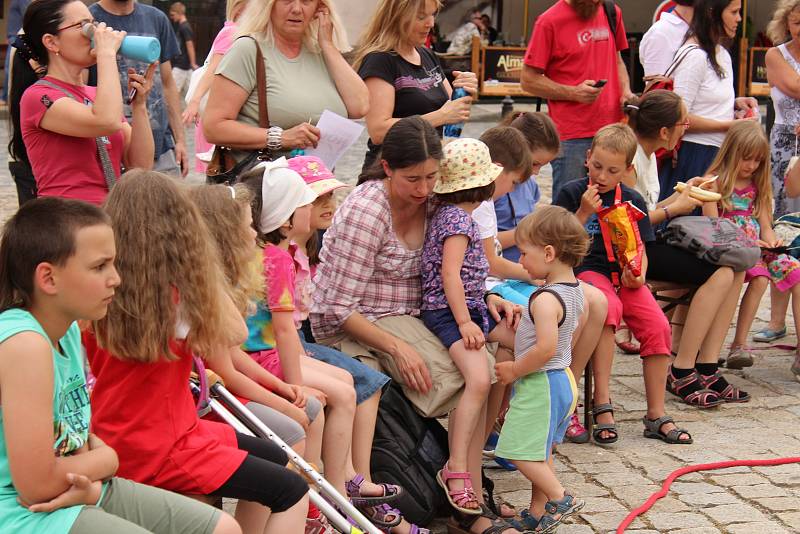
pixel 409 450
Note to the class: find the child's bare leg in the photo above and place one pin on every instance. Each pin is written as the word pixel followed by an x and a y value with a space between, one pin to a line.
pixel 338 429
pixel 779 305
pixel 590 330
pixel 655 368
pixel 291 521
pixel 748 309
pixel 712 345
pixel 546 486
pixel 469 410
pixel 252 516
pixel 795 294
pixel 503 335
pixel 705 305
pixel 497 393
pixel 314 435
pixel 602 361
pixel 363 432
pixel 475 455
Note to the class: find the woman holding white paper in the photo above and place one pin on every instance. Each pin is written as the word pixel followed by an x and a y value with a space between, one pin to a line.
pixel 302 44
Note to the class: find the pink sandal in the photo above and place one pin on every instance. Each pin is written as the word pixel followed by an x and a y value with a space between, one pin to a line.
pixel 458 498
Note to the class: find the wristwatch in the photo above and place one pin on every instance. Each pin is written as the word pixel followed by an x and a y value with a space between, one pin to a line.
pixel 274 138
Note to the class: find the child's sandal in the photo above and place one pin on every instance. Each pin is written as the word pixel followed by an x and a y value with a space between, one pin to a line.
pixel 652 430
pixel 462 523
pixel 730 394
pixel 382 515
pixel 562 508
pixel 599 428
pixel 701 398
pixel 353 487
pixel 458 498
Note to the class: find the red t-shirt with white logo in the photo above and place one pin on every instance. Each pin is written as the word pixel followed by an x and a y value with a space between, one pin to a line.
pixel 570 50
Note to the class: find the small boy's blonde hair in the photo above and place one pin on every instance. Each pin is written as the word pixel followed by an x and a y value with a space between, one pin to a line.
pixel 617 138
pixel 557 227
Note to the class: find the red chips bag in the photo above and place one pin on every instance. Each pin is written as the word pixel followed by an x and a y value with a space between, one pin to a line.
pixel 618 223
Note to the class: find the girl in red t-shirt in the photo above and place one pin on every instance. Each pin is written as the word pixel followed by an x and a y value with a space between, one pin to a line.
pixel 168 307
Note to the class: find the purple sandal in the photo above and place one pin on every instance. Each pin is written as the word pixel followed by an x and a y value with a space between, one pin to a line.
pixel 353 487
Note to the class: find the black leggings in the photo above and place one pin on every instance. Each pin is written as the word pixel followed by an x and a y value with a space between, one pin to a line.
pixel 667 263
pixel 262 477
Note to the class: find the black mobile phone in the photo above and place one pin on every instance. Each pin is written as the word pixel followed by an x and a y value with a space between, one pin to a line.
pixel 599 83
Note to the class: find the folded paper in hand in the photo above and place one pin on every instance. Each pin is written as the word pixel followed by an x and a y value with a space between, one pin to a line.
pixel 337 134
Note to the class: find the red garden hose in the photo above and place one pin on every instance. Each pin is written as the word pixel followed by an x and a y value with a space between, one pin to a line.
pixel 692 469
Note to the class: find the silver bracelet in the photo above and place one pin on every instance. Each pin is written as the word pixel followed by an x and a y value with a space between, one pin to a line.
pixel 274 138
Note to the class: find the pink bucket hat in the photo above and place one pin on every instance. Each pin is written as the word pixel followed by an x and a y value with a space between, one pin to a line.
pixel 466 164
pixel 315 173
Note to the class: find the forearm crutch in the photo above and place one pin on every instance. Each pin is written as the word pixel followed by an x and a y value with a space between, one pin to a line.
pixel 327 489
pixel 324 506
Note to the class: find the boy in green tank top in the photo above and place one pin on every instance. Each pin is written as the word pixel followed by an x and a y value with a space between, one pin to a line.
pixel 57 267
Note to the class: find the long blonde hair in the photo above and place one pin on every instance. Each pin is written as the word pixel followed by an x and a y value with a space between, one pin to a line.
pixel 223 209
pixel 163 248
pixel 231 7
pixel 745 140
pixel 778 27
pixel 389 27
pixel 256 20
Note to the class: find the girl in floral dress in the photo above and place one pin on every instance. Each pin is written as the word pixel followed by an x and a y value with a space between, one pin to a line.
pixel 743 167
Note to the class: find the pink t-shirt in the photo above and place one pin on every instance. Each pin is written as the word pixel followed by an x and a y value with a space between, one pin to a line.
pixel 570 50
pixel 304 287
pixel 65 166
pixel 224 39
pixel 222 43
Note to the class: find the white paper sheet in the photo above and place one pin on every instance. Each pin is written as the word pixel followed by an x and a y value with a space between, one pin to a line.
pixel 337 134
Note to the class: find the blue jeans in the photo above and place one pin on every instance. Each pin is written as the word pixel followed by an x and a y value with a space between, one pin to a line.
pixel 366 380
pixel 570 163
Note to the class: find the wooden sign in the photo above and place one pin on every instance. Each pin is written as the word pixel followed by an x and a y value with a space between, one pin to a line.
pixel 501 71
pixel 757 84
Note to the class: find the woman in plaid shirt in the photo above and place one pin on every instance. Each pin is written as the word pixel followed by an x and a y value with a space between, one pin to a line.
pixel 368 289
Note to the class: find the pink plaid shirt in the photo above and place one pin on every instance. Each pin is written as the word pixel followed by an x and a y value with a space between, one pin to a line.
pixel 364 267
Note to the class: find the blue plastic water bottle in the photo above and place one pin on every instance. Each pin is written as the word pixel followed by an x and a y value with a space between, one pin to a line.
pixel 454 130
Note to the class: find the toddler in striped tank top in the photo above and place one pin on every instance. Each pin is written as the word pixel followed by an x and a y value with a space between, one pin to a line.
pixel 552 242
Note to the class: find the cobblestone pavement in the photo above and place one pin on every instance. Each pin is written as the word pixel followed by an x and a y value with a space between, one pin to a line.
pixel 618 478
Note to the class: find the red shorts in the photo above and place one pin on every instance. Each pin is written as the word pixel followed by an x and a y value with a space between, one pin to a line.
pixel 640 311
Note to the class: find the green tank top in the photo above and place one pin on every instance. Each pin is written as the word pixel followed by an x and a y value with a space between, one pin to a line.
pixel 71 414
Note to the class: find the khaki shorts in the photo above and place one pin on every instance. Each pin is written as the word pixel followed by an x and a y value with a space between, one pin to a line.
pixel 131 508
pixel 445 376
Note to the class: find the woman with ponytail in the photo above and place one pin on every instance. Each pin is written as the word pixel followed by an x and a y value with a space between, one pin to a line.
pixel 74 137
pixel 659 119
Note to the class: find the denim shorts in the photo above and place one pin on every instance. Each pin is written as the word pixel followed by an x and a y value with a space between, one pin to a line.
pixel 444 326
pixel 366 380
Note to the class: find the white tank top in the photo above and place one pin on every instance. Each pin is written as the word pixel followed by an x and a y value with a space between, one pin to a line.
pixel 787 109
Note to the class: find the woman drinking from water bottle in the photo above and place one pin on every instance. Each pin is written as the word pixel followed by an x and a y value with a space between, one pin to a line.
pixel 76 137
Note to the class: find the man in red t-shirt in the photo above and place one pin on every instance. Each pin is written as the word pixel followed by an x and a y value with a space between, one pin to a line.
pixel 571 50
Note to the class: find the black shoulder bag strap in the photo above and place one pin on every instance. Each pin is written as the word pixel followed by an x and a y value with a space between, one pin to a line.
pixel 611 14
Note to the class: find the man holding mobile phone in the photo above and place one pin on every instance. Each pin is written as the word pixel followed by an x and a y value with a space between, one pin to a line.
pixel 573 60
